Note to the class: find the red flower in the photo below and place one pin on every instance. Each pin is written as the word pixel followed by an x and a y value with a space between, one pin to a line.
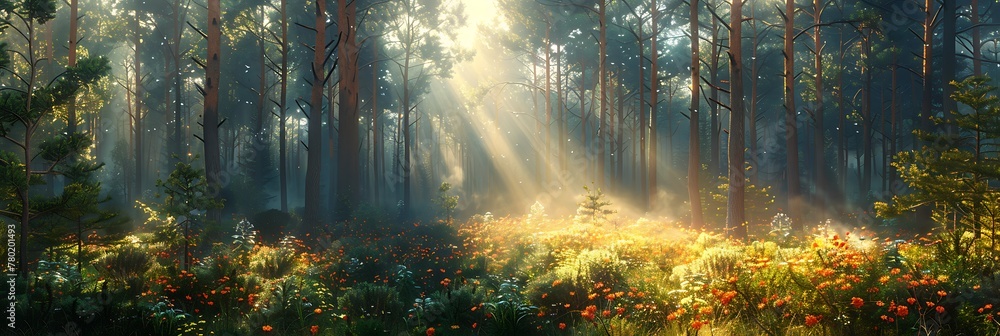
pixel 562 326
pixel 857 302
pixel 902 311
pixel 812 320
pixel 430 331
pixel 266 328
pixel 940 309
pixel 314 329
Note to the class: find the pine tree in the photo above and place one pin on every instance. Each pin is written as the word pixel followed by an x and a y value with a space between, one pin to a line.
pixel 956 174
pixel 594 208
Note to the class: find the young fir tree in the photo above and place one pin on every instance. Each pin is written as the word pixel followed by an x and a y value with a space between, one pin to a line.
pixel 185 201
pixel 594 208
pixel 447 202
pixel 27 106
pixel 957 173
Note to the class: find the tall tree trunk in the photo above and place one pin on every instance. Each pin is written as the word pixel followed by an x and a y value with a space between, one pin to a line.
pixel 213 69
pixel 314 158
pixel 694 151
pixel 283 110
pixel 927 70
pixel 137 66
pixel 561 115
pixel 791 129
pixel 620 143
pixel 74 17
pixel 949 16
pixel 643 164
pixel 715 162
pixel 603 75
pixel 548 104
pixel 376 135
pixel 654 87
pixel 866 122
pixel 179 138
pixel 819 136
pixel 977 51
pixel 348 190
pixel 737 173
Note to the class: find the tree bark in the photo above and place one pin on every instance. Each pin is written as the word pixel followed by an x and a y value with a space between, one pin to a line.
pixel 819 136
pixel 735 221
pixel 74 17
pixel 348 190
pixel 694 157
pixel 314 154
pixel 602 72
pixel 791 129
pixel 282 111
pixel 213 168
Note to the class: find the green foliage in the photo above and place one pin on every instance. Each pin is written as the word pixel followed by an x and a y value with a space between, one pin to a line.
pixel 273 263
pixel 367 301
pixel 446 202
pixel 594 208
pixel 955 173
pixel 758 203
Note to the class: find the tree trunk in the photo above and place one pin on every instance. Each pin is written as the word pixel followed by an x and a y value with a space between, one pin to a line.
pixel 977 51
pixel 348 190
pixel 715 142
pixel 137 65
pixel 791 129
pixel 314 154
pixel 819 136
pixel 282 111
pixel 643 164
pixel 949 16
pixel 694 157
pixel 737 173
pixel 376 135
pixel 602 73
pixel 74 17
pixel 927 70
pixel 213 69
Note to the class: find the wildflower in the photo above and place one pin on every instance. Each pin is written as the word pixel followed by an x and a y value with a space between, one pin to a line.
pixel 314 330
pixel 606 313
pixel 911 300
pixel 431 331
pixel 620 310
pixel 318 311
pixel 266 328
pixel 940 309
pixel 902 311
pixel 812 320
pixel 671 316
pixel 857 302
pixel 589 313
pixel 556 282
pixel 562 326
pixel 697 324
pixel 942 293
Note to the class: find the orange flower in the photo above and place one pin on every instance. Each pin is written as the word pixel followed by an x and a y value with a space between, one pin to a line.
pixel 942 293
pixel 857 302
pixel 911 300
pixel 812 320
pixel 318 311
pixel 696 325
pixel 314 329
pixel 266 328
pixel 902 311
pixel 562 326
pixel 430 331
pixel 940 309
